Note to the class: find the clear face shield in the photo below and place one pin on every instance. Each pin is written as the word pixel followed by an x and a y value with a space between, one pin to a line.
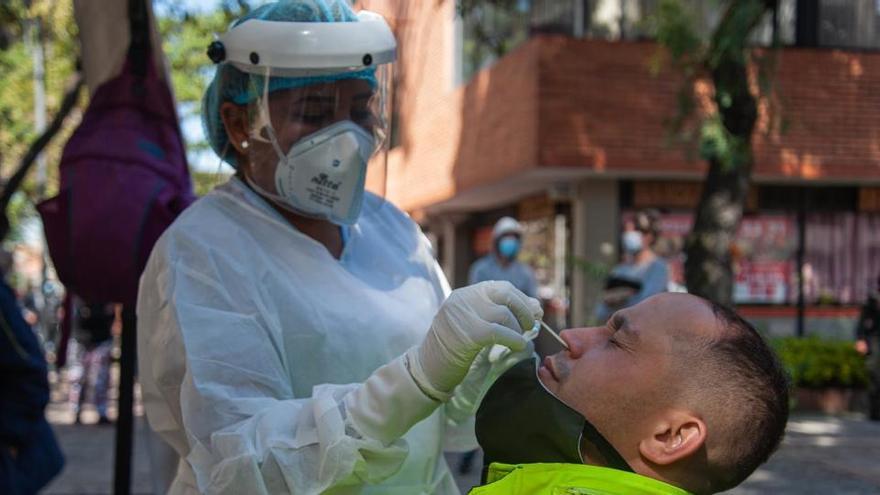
pixel 319 124
pixel 316 147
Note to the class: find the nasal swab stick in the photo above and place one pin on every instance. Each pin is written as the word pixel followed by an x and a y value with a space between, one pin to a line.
pixel 555 335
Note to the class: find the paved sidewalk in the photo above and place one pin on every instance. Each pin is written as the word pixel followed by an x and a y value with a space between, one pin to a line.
pixel 89 468
pixel 820 455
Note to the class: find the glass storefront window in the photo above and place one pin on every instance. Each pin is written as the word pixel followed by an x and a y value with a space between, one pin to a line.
pixel 841 259
pixel 764 255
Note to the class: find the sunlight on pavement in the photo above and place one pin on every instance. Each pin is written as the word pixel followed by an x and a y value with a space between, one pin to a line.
pixel 810 427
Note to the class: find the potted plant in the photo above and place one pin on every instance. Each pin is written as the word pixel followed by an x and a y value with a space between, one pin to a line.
pixel 826 375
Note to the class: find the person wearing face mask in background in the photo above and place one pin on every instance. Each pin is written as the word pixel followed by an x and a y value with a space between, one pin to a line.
pixel 501 263
pixel 294 330
pixel 642 273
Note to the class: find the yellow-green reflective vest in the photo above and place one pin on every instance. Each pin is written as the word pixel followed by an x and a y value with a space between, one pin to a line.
pixel 568 479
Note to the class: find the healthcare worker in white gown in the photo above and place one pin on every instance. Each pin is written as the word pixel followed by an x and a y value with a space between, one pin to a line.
pixel 294 332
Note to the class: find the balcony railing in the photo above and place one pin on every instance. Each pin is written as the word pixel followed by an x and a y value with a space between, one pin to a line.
pixel 851 24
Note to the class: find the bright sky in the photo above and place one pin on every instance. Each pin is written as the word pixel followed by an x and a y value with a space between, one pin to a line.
pixel 205 161
pixel 193 5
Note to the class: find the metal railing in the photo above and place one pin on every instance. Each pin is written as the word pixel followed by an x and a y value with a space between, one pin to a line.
pixel 852 24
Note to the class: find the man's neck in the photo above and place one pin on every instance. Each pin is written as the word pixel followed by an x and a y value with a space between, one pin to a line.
pixel 675 474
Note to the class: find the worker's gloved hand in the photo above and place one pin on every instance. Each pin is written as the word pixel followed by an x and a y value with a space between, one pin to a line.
pixel 406 390
pixel 472 318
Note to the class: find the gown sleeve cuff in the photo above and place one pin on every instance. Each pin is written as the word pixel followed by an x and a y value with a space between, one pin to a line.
pixel 388 403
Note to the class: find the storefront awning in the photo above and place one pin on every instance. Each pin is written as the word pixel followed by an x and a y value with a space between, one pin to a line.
pixel 559 182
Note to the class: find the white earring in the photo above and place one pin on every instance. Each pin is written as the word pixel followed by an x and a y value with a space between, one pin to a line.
pixel 245 144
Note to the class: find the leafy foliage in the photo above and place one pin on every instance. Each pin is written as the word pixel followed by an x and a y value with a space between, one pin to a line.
pixel 185 33
pixel 696 57
pixel 185 36
pixel 205 182
pixel 492 28
pixel 23 24
pixel 674 27
pixel 723 124
pixel 816 363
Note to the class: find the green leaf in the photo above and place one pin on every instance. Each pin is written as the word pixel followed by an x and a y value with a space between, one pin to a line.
pixel 674 28
pixel 815 363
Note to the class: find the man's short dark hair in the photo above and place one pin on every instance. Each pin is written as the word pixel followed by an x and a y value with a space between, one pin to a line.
pixel 748 396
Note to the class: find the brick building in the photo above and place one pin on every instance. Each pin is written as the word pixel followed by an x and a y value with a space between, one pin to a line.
pixel 568 132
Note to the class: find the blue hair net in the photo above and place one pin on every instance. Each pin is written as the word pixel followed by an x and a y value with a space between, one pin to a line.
pixel 233 85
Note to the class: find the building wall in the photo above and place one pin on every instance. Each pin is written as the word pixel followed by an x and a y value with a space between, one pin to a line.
pixel 829 99
pixel 454 137
pixel 601 108
pixel 596 219
pixel 585 114
pixel 594 106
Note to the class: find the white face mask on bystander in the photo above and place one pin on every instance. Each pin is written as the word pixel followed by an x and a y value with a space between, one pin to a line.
pixel 632 241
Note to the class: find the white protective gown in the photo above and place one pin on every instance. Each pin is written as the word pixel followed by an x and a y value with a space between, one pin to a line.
pixel 250 333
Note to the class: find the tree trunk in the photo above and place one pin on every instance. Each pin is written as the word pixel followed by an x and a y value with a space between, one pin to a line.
pixel 709 266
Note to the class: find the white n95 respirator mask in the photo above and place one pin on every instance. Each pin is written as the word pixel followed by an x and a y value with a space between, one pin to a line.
pixel 323 174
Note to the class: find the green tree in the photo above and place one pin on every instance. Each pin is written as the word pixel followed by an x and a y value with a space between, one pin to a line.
pixel 186 35
pixel 50 23
pixel 725 130
pixel 24 25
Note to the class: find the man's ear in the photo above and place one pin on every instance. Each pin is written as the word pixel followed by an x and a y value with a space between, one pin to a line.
pixel 675 436
pixel 235 121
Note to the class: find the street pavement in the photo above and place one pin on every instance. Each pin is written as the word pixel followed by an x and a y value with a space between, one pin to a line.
pixel 820 455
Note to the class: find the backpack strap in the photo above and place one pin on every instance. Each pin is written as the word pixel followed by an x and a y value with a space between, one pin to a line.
pixel 140 46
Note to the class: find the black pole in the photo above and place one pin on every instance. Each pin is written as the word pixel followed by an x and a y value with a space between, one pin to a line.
pixel 139 53
pixel 807 23
pixel 125 420
pixel 775 35
pixel 801 252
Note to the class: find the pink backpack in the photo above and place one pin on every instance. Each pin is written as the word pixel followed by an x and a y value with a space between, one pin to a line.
pixel 124 179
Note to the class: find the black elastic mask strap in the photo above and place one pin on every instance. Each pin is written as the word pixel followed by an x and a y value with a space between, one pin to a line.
pixel 613 459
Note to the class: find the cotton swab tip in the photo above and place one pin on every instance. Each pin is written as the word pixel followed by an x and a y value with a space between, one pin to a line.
pixel 555 335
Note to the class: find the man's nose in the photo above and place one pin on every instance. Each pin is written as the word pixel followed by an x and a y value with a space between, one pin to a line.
pixel 578 340
pixel 570 337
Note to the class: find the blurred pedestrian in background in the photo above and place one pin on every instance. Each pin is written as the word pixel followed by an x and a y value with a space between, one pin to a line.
pixel 90 368
pixel 641 273
pixel 868 344
pixel 29 453
pixel 501 263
